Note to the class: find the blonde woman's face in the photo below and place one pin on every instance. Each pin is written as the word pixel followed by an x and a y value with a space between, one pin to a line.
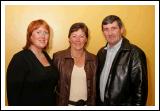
pixel 78 40
pixel 40 37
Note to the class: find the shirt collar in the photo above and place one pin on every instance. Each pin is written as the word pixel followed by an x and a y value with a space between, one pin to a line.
pixel 116 46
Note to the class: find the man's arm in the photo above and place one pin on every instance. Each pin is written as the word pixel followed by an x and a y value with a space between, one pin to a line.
pixel 139 77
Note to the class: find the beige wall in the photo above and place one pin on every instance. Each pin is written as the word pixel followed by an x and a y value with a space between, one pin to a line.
pixel 138 20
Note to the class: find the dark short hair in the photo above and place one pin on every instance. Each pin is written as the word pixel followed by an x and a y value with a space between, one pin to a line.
pixel 110 19
pixel 77 26
pixel 33 26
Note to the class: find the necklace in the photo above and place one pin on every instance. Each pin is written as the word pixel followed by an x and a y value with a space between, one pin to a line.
pixel 37 54
pixel 80 59
pixel 79 56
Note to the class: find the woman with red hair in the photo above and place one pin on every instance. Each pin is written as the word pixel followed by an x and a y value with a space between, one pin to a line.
pixel 31 77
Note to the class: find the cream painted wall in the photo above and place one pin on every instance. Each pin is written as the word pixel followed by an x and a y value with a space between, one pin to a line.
pixel 138 20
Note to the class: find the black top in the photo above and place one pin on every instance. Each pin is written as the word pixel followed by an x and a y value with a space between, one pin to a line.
pixel 29 83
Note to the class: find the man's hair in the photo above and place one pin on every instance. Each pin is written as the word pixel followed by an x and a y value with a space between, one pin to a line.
pixel 110 19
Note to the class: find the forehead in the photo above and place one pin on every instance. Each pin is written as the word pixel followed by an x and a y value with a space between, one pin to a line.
pixel 42 27
pixel 78 31
pixel 113 24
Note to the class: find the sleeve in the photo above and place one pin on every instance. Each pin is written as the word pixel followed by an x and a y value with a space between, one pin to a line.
pixel 57 89
pixel 139 78
pixel 94 83
pixel 54 61
pixel 15 79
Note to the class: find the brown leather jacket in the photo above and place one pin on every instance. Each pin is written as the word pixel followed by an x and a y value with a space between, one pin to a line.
pixel 65 63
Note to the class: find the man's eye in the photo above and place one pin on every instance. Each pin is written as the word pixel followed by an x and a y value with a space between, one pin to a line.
pixel 114 28
pixel 105 29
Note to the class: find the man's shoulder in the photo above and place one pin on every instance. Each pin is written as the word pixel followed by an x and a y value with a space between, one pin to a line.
pixel 136 50
pixel 102 49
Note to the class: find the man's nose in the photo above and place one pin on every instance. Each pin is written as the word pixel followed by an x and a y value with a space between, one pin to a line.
pixel 109 32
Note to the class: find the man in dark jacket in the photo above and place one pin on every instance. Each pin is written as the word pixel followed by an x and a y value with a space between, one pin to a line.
pixel 122 68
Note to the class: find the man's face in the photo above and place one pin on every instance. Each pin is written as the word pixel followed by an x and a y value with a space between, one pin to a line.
pixel 112 33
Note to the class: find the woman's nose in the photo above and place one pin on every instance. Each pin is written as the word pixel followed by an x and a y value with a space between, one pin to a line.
pixel 77 38
pixel 44 33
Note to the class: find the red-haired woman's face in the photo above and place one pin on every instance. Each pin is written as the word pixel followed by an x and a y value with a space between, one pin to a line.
pixel 40 37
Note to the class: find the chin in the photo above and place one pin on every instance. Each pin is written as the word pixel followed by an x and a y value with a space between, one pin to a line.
pixel 79 48
pixel 42 47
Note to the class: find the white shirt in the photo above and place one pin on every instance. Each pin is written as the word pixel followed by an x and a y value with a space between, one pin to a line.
pixel 111 53
pixel 78 89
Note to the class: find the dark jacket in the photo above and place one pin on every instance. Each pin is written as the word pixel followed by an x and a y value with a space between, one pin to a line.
pixel 127 82
pixel 65 63
pixel 29 83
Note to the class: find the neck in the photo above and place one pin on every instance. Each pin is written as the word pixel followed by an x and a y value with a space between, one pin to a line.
pixel 111 45
pixel 77 53
pixel 35 50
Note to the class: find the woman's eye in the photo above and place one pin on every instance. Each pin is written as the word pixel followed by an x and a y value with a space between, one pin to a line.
pixel 82 36
pixel 73 36
pixel 46 33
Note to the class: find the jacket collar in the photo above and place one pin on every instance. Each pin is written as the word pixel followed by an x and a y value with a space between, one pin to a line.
pixel 125 44
pixel 88 56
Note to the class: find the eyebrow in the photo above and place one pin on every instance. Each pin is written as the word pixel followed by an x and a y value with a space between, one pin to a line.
pixel 42 30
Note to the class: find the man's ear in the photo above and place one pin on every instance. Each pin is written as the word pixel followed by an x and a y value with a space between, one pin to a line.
pixel 122 30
